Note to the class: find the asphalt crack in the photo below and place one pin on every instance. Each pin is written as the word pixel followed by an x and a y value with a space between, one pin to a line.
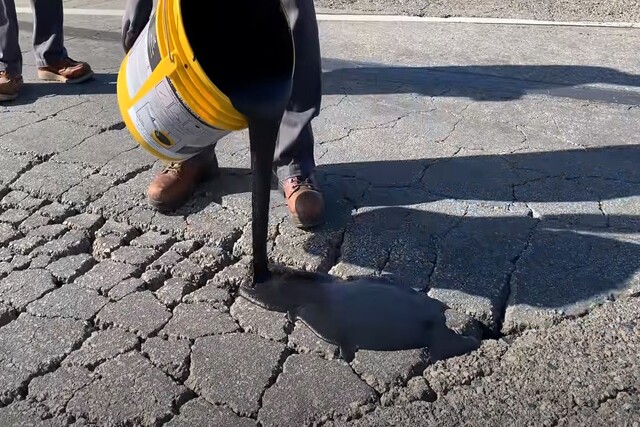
pixel 461 117
pixel 390 124
pixel 604 212
pixel 337 249
pixel 508 288
pixel 42 119
pixel 439 241
pixel 275 374
pixel 384 262
pixel 52 366
pixel 336 105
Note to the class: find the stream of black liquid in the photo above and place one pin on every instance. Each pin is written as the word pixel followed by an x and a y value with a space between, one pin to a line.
pixel 245 48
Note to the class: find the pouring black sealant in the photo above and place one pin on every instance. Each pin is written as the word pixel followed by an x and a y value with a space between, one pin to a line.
pixel 368 313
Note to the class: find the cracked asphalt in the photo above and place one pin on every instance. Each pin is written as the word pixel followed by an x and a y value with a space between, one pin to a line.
pixel 501 178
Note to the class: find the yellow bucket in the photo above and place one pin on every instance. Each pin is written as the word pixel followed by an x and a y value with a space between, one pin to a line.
pixel 169 103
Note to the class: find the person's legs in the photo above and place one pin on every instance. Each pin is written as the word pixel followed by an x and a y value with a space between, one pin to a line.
pixel 294 155
pixel 10 54
pixel 48 37
pixel 52 59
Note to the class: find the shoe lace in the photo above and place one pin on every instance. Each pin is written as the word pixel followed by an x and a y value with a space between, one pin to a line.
pixel 298 182
pixel 172 167
pixel 6 77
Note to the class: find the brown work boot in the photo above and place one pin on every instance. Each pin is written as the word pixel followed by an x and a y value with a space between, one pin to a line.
pixel 175 184
pixel 66 71
pixel 305 202
pixel 9 86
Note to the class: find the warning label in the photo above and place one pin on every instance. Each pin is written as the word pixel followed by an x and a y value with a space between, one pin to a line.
pixel 161 118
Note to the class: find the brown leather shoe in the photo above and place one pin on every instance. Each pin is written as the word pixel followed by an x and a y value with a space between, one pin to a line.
pixel 9 86
pixel 305 202
pixel 67 71
pixel 172 187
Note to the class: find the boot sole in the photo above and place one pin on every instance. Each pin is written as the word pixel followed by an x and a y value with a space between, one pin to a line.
pixel 164 207
pixel 8 97
pixel 307 225
pixel 53 77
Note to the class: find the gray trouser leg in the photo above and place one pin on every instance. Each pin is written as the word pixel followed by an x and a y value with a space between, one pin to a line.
pixel 10 55
pixel 294 152
pixel 48 38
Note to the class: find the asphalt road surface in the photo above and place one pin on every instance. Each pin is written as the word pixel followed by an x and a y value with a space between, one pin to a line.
pixel 493 167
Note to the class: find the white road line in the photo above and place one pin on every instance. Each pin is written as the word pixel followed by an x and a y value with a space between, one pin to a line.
pixel 469 20
pixel 394 18
pixel 82 12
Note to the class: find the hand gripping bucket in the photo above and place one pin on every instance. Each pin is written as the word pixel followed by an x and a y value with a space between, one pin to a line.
pixel 170 84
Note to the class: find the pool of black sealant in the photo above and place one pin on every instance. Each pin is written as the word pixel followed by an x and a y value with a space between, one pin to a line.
pixel 245 48
pixel 366 313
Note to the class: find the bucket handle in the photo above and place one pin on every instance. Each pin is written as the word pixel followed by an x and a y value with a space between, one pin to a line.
pixel 166 30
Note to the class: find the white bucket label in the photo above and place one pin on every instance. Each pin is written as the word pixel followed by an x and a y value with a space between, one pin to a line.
pixel 160 116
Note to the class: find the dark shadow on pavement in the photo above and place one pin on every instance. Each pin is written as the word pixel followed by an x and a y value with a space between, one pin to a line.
pixel 514 239
pixel 481 82
pixel 567 264
pixel 608 172
pixel 533 233
pixel 78 32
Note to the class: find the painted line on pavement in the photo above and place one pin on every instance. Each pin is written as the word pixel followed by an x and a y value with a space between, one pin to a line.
pixel 471 20
pixel 81 12
pixel 392 18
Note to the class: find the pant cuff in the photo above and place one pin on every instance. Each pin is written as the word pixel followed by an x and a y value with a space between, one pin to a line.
pixel 288 171
pixel 285 172
pixel 11 69
pixel 49 57
pixel 40 63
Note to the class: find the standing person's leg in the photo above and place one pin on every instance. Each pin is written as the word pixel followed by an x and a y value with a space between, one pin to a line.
pixel 52 59
pixel 294 156
pixel 10 54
